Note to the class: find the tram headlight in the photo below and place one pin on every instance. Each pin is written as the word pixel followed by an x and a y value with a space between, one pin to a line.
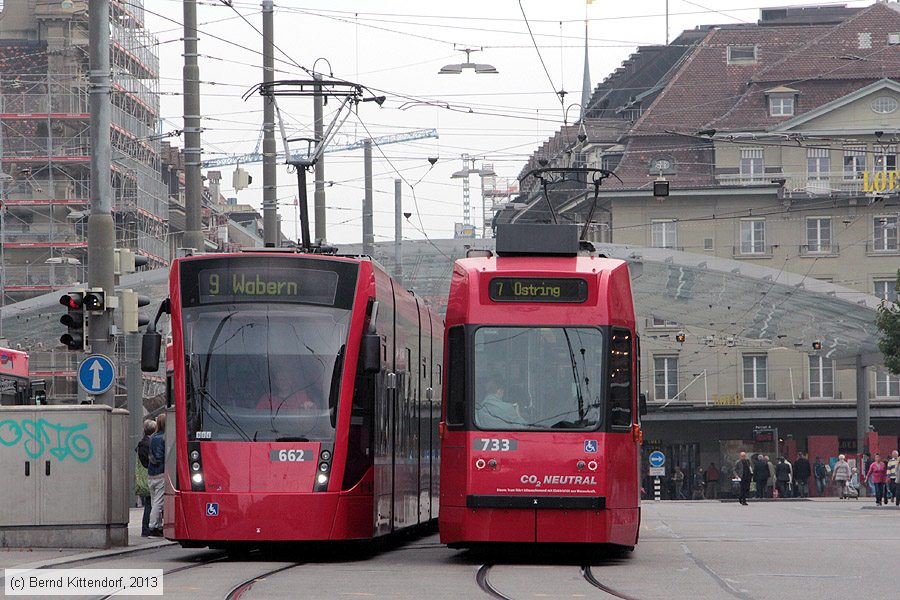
pixel 479 464
pixel 322 479
pixel 197 478
pixel 323 466
pixel 592 465
pixel 325 455
pixel 195 466
pixel 195 455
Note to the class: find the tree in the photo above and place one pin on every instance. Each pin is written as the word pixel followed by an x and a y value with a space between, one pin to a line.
pixel 888 322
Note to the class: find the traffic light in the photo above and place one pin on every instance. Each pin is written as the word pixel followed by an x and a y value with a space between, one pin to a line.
pixel 679 337
pixel 817 345
pixel 74 320
pixel 131 319
pixel 95 301
pixel 660 188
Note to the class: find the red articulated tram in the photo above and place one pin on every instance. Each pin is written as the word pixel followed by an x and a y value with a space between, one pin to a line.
pixel 540 430
pixel 304 400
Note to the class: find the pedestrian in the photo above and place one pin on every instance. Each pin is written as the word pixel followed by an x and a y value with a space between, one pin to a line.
pixel 678 482
pixel 761 475
pixel 142 486
pixel 841 475
pixel 820 472
pixel 156 476
pixel 712 481
pixel 853 484
pixel 783 477
pixel 770 482
pixel 877 475
pixel 801 475
pixel 743 471
pixel 865 464
pixel 699 484
pixel 892 477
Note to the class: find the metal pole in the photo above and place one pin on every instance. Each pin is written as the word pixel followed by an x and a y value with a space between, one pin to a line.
pixel 270 184
pixel 656 489
pixel 101 228
pixel 862 405
pixel 193 186
pixel 4 198
pixel 368 226
pixel 398 231
pixel 135 404
pixel 304 209
pixel 319 197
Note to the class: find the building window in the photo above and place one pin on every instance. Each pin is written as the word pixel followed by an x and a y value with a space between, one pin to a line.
pixel 657 322
pixel 818 234
pixel 665 377
pixel 781 106
pixel 886 158
pixel 753 236
pixel 886 289
pixel 755 378
pixel 854 162
pixel 741 55
pixel 821 377
pixel 751 163
pixel 885 229
pixel 663 234
pixel 707 243
pixel 886 385
pixel 818 163
pixel 884 105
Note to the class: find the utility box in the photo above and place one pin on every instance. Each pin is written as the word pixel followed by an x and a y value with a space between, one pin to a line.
pixel 64 471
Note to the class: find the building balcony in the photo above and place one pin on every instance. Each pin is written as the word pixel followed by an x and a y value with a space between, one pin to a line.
pixel 739 252
pixel 799 185
pixel 819 250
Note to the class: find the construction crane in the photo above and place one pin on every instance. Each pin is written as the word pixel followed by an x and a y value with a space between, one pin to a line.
pixel 256 156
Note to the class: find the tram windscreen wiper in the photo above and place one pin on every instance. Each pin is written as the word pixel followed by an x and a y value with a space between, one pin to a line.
pixel 291 438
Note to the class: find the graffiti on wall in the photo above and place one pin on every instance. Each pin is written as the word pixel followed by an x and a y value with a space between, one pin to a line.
pixel 40 436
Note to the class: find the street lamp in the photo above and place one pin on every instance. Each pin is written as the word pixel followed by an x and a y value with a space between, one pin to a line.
pixel 479 68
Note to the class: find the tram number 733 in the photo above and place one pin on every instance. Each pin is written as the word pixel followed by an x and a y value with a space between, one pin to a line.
pixel 495 444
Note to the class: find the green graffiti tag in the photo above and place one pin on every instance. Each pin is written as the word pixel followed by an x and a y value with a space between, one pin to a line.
pixel 39 436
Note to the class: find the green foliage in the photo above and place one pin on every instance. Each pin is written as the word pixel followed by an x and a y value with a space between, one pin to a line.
pixel 888 322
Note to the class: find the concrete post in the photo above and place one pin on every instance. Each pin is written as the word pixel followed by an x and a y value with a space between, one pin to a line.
pixel 368 225
pixel 319 197
pixel 193 186
pixel 101 228
pixel 133 386
pixel 270 185
pixel 862 405
pixel 398 231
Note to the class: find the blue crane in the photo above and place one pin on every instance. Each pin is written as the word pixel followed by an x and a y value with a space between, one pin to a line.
pixel 256 156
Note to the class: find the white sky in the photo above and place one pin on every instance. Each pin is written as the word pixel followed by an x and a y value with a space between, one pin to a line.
pixel 397 47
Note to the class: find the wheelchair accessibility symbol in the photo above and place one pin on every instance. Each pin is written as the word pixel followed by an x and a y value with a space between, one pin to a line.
pixel 212 509
pixel 590 445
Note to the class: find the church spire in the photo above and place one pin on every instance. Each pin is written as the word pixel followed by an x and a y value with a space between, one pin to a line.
pixel 586 80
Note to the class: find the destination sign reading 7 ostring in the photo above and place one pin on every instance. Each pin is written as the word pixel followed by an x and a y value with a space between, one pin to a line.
pixel 537 289
pixel 307 286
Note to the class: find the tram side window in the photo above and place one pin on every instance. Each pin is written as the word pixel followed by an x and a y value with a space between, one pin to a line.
pixel 456 376
pixel 620 392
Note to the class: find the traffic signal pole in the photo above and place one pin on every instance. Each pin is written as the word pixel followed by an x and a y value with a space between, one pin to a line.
pixel 101 228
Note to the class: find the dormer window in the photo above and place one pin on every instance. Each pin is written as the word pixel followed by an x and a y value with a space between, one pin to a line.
pixel 781 101
pixel 742 55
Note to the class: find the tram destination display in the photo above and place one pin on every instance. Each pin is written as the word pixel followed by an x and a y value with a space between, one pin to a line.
pixel 538 289
pixel 233 284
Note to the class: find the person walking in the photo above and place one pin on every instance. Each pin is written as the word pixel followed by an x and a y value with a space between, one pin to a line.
pixel 783 478
pixel 841 475
pixel 770 482
pixel 142 485
pixel 678 481
pixel 699 483
pixel 820 472
pixel 877 476
pixel 761 475
pixel 712 481
pixel 156 476
pixel 743 470
pixel 801 475
pixel 892 477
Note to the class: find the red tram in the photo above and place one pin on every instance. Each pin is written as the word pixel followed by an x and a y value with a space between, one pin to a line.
pixel 540 429
pixel 304 392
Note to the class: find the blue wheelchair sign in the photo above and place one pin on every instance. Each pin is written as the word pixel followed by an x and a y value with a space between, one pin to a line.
pixel 657 459
pixel 212 509
pixel 96 374
pixel 590 446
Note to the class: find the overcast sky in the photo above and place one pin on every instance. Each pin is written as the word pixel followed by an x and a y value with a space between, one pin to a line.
pixel 397 48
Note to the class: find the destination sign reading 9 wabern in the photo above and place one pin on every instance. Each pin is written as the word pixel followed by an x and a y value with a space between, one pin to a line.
pixel 537 289
pixel 231 284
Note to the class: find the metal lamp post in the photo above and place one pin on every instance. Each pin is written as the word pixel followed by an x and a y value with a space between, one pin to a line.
pixel 4 197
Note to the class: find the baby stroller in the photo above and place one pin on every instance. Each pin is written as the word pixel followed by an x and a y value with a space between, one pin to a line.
pixel 852 490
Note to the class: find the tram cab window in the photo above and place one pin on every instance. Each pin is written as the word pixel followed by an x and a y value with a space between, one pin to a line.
pixel 456 376
pixel 529 378
pixel 620 393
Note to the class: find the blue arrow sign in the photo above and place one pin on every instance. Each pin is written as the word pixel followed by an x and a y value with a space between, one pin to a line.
pixel 96 374
pixel 657 459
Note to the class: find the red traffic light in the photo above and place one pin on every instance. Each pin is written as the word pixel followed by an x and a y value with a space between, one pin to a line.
pixel 72 301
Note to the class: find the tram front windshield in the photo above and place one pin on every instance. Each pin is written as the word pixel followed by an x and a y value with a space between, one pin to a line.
pixel 529 378
pixel 264 372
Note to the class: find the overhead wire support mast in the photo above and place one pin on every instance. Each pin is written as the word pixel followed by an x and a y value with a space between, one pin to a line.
pixel 597 177
pixel 347 93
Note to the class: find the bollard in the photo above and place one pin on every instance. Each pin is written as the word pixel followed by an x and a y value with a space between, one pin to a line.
pixel 656 489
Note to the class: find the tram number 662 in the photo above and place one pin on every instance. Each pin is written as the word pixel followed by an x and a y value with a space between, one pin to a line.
pixel 495 444
pixel 287 455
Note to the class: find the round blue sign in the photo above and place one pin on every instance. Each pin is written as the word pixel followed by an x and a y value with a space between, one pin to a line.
pixel 96 374
pixel 657 459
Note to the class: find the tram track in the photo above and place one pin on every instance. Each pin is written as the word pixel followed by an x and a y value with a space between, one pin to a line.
pixel 239 590
pixel 201 563
pixel 481 577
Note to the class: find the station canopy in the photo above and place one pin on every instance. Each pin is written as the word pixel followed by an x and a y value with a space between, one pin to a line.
pixel 728 302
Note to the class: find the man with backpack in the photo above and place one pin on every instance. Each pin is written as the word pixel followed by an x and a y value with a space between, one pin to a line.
pixel 820 472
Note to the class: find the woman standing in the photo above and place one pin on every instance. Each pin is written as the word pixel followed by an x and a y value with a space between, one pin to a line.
pixel 877 475
pixel 841 475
